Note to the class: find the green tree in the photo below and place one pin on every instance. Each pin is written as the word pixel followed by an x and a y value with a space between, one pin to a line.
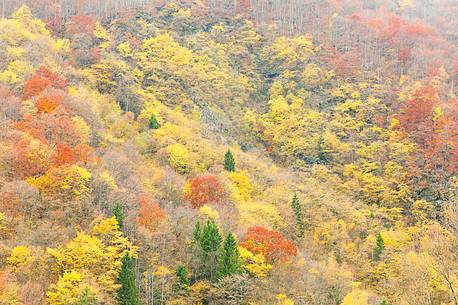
pixel 197 233
pixel 210 243
pixel 152 123
pixel 322 153
pixel 183 279
pixel 87 298
pixel 229 162
pixel 229 260
pixel 379 246
pixel 296 206
pixel 119 214
pixel 128 292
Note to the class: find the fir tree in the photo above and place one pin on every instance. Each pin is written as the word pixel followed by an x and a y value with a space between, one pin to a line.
pixel 210 243
pixel 197 233
pixel 152 123
pixel 119 214
pixel 296 206
pixel 87 298
pixel 229 162
pixel 229 259
pixel 379 246
pixel 322 154
pixel 183 279
pixel 211 239
pixel 128 292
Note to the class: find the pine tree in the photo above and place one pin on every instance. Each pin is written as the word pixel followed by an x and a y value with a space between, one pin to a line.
pixel 119 214
pixel 183 279
pixel 229 259
pixel 229 162
pixel 128 292
pixel 211 238
pixel 296 206
pixel 152 123
pixel 210 243
pixel 379 246
pixel 87 298
pixel 322 154
pixel 197 233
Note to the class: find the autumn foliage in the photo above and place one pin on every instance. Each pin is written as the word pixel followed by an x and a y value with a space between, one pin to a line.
pixel 204 189
pixel 269 243
pixel 43 78
pixel 150 214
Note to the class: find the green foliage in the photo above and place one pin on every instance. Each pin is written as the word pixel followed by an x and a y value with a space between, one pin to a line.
pixel 128 292
pixel 152 122
pixel 229 260
pixel 182 275
pixel 229 162
pixel 118 213
pixel 379 246
pixel 211 239
pixel 87 298
pixel 206 249
pixel 297 209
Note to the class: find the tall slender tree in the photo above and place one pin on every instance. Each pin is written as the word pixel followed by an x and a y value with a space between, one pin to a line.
pixel 119 214
pixel 300 226
pixel 210 243
pixel 229 259
pixel 229 162
pixel 128 292
pixel 379 246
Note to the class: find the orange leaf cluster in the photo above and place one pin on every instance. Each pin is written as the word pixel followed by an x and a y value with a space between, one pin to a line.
pixel 150 214
pixel 269 243
pixel 204 189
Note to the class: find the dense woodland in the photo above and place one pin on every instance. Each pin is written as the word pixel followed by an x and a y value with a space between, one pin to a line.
pixel 229 152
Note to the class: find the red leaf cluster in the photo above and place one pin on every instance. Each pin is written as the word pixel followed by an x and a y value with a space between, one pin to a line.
pixel 204 189
pixel 43 78
pixel 271 244
pixel 150 214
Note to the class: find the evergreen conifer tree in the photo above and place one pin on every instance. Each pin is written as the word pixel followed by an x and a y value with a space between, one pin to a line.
pixel 152 123
pixel 379 246
pixel 182 275
pixel 322 154
pixel 229 259
pixel 210 243
pixel 229 162
pixel 128 292
pixel 119 214
pixel 296 206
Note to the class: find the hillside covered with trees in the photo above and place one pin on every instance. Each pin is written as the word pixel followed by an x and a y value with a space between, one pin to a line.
pixel 283 152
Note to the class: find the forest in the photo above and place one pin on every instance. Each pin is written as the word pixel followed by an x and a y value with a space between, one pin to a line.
pixel 228 152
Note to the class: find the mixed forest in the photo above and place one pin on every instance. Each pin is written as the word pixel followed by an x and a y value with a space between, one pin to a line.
pixel 216 152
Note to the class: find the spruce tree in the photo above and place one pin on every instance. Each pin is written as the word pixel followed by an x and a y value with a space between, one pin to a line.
pixel 152 123
pixel 322 154
pixel 379 246
pixel 229 259
pixel 87 298
pixel 119 214
pixel 128 292
pixel 296 206
pixel 183 279
pixel 229 162
pixel 197 233
pixel 210 243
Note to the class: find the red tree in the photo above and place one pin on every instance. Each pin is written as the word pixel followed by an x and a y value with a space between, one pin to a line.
pixel 204 189
pixel 271 244
pixel 150 214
